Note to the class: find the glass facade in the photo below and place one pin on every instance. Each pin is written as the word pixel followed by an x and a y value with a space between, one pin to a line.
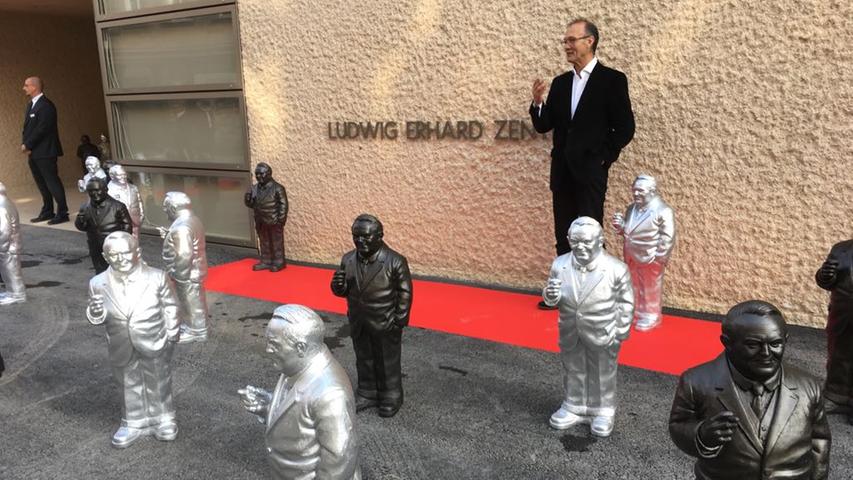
pixel 217 199
pixel 173 90
pixel 178 52
pixel 202 131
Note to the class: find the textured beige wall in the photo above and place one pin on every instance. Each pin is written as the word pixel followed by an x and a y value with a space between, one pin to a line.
pixel 743 113
pixel 63 51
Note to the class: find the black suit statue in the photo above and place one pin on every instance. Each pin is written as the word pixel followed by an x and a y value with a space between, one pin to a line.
pixel 99 217
pixel 378 287
pixel 744 415
pixel 41 139
pixel 836 275
pixel 587 142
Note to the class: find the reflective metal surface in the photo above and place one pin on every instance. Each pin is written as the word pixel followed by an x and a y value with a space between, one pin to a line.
pixel 310 416
pixel 10 248
pixel 138 307
pixel 593 292
pixel 648 230
pixel 127 193
pixel 185 256
pixel 93 169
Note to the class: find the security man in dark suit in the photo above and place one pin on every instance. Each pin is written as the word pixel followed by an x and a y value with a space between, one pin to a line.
pixel 40 141
pixel 99 217
pixel 589 111
pixel 745 414
pixel 378 287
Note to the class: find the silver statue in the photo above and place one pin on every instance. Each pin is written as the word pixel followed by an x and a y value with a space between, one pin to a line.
pixel 310 416
pixel 126 193
pixel 93 169
pixel 185 255
pixel 10 247
pixel 648 229
pixel 592 290
pixel 138 305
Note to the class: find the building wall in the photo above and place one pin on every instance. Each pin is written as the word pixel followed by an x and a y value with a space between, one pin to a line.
pixel 742 107
pixel 63 51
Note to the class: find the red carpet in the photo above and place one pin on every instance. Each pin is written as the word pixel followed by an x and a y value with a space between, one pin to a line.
pixel 494 315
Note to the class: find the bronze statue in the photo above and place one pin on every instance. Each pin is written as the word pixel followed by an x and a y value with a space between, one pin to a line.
pixel 745 414
pixel 378 287
pixel 268 199
pixel 836 275
pixel 99 217
pixel 310 416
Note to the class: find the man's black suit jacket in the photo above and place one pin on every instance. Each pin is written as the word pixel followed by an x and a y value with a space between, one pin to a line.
pixel 585 146
pixel 41 134
pixel 380 299
pixel 98 223
pixel 797 441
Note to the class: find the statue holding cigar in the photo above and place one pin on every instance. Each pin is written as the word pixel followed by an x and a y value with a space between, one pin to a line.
pixel 268 199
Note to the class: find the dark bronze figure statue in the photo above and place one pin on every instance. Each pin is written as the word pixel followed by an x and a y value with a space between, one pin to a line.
pixel 745 414
pixel 378 287
pixel 269 201
pixel 99 217
pixel 836 275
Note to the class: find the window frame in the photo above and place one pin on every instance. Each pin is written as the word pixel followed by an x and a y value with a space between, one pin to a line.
pixel 101 16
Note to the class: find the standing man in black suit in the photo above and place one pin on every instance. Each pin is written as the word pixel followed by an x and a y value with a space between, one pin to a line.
pixel 589 111
pixel 40 141
pixel 378 287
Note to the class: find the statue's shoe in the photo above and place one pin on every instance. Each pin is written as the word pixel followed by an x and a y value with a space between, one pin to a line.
pixel 260 266
pixel 601 426
pixel 835 408
pixel 189 335
pixel 563 419
pixel 125 436
pixel 166 431
pixel 644 324
pixel 9 299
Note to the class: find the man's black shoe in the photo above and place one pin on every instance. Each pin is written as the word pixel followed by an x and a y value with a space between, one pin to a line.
pixel 544 306
pixel 41 218
pixel 388 411
pixel 57 220
pixel 362 403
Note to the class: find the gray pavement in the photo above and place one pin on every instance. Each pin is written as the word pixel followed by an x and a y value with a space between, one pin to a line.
pixel 474 409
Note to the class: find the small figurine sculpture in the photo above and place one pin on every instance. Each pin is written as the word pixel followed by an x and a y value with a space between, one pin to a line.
pixel 378 287
pixel 86 149
pixel 836 275
pixel 126 193
pixel 93 170
pixel 744 415
pixel 104 147
pixel 185 256
pixel 99 217
pixel 138 306
pixel 269 201
pixel 310 416
pixel 592 290
pixel 10 247
pixel 107 165
pixel 648 229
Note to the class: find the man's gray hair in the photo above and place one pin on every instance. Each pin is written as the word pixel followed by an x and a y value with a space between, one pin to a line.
pixel 178 200
pixel 646 178
pixel 116 237
pixel 582 222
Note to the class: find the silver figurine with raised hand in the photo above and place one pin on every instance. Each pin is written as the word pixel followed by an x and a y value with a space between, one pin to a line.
pixel 185 256
pixel 592 290
pixel 648 229
pixel 310 416
pixel 93 170
pixel 138 306
pixel 10 247
pixel 126 193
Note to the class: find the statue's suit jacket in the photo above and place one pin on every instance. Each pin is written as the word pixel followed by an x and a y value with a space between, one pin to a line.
pixel 650 232
pixel 841 298
pixel 310 424
pixel 129 196
pixel 10 232
pixel 112 217
pixel 798 440
pixel 142 320
pixel 185 251
pixel 383 296
pixel 597 310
